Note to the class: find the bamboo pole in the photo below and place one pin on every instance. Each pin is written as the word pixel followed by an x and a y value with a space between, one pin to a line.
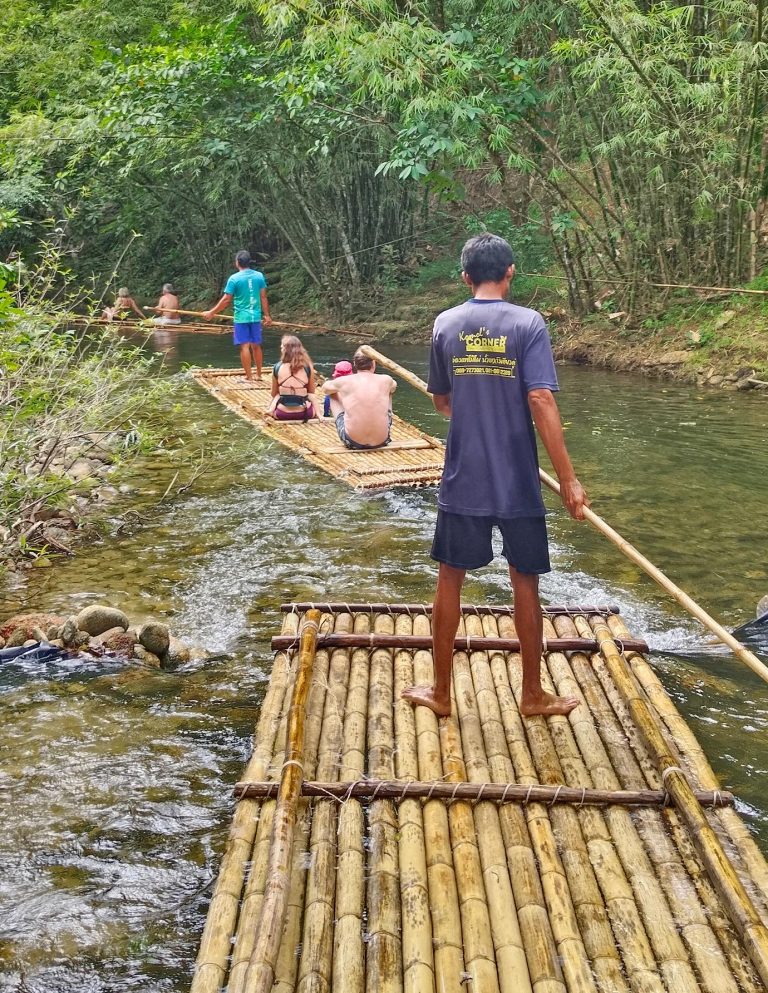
pixel 261 969
pixel 739 650
pixel 279 324
pixel 443 893
pixel 651 857
pixel 215 944
pixel 493 792
pixel 426 608
pixel 417 937
pixel 740 907
pixel 315 964
pixel 411 642
pixel 348 945
pixel 584 879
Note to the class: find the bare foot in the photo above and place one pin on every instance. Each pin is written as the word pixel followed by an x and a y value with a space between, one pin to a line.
pixel 546 704
pixel 424 696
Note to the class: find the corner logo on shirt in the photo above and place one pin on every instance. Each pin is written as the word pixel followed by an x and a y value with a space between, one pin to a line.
pixel 481 341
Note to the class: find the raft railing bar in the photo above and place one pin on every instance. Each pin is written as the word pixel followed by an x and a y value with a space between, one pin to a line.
pixel 737 902
pixel 261 967
pixel 469 644
pixel 426 608
pixel 394 789
pixel 739 650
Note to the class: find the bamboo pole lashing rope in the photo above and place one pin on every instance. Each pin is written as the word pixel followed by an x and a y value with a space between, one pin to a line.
pixel 730 888
pixel 417 936
pixel 215 944
pixel 261 969
pixel 743 653
pixel 441 874
pixel 678 908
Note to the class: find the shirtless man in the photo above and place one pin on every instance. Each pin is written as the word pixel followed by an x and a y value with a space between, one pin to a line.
pixel 167 306
pixel 362 404
pixel 123 305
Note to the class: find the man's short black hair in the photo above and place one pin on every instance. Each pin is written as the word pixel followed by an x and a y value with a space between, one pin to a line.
pixel 486 258
pixel 243 258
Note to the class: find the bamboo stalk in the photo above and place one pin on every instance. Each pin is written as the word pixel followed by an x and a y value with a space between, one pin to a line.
pixel 651 859
pixel 411 642
pixel 348 945
pixel 492 792
pixel 417 936
pixel 729 887
pixel 383 967
pixel 426 608
pixel 261 969
pixel 746 656
pixel 215 944
pixel 443 894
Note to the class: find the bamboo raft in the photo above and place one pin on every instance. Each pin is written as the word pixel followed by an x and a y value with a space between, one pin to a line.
pixel 485 852
pixel 412 459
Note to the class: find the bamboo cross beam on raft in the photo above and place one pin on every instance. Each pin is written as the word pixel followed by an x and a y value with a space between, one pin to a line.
pixel 739 650
pixel 261 969
pixel 395 789
pixel 741 910
pixel 465 644
pixel 426 608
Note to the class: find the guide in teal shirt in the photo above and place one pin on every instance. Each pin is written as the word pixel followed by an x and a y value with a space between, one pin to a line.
pixel 245 288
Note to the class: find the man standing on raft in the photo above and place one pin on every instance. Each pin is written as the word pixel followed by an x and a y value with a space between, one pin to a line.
pixel 492 373
pixel 248 289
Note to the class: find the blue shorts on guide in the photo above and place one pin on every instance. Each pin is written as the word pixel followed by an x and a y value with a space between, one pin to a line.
pixel 464 542
pixel 248 334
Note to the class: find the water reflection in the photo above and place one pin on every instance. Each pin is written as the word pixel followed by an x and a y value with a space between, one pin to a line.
pixel 116 782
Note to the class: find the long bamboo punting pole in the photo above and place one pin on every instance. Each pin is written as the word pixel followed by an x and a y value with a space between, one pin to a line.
pixel 494 792
pixel 412 642
pixel 216 941
pixel 426 608
pixel 735 898
pixel 739 650
pixel 663 888
pixel 279 324
pixel 261 971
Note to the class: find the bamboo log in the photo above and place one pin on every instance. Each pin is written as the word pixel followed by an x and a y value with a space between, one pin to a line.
pixel 348 945
pixel 426 608
pixel 492 792
pixel 383 966
pixel 411 642
pixel 443 893
pixel 417 937
pixel 746 656
pixel 729 887
pixel 261 970
pixel 216 941
pixel 280 324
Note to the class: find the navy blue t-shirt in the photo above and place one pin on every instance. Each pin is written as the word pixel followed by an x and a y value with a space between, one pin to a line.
pixel 488 354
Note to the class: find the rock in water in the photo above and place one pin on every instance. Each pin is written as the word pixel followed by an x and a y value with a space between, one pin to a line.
pixel 155 637
pixel 69 632
pixel 762 607
pixel 100 618
pixel 178 654
pixel 148 658
pixel 27 622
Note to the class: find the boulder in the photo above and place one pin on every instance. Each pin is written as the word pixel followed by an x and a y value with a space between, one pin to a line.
pixel 178 653
pixel 38 634
pixel 69 632
pixel 27 622
pixel 2 642
pixel 16 639
pixel 99 618
pixel 80 469
pixel 118 641
pixel 148 658
pixel 198 654
pixel 155 637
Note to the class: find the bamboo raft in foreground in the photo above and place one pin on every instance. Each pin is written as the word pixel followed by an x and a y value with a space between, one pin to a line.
pixel 413 458
pixel 484 852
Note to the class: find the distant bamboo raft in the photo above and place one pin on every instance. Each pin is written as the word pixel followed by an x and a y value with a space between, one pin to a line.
pixel 412 459
pixel 485 852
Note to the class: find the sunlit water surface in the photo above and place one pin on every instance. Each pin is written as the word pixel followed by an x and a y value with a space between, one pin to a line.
pixel 116 782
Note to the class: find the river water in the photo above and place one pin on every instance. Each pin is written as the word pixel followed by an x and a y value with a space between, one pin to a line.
pixel 116 783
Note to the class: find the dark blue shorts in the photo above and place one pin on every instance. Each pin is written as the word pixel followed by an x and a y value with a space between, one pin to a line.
pixel 248 333
pixel 349 442
pixel 464 542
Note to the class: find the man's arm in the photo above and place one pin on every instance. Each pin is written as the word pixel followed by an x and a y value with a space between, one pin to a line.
pixel 265 308
pixel 330 386
pixel 217 308
pixel 442 403
pixel 546 417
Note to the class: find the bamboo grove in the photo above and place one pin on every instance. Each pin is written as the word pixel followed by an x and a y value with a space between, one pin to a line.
pixel 632 135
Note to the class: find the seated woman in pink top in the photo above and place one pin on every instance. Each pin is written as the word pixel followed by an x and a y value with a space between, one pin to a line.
pixel 293 383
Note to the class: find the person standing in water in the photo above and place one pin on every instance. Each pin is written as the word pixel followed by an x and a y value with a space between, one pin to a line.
pixel 247 290
pixel 492 373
